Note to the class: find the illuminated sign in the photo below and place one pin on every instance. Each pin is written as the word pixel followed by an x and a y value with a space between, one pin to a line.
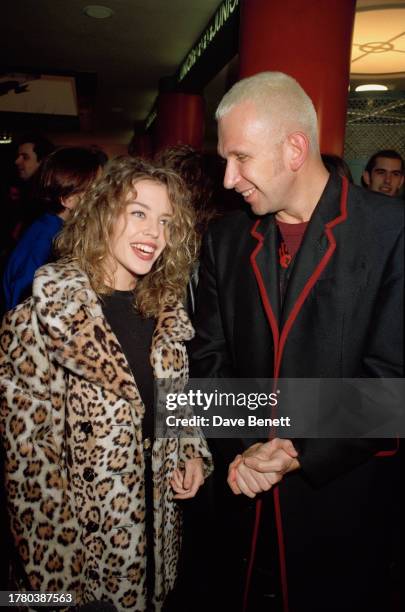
pixel 225 10
pixel 215 34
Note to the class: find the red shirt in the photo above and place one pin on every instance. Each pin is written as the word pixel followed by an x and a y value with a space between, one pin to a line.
pixel 292 234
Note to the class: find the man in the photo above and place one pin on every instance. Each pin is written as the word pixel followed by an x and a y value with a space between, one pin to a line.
pixel 21 202
pixel 305 284
pixel 31 151
pixel 384 172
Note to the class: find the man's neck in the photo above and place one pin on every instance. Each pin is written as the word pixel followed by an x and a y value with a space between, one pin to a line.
pixel 308 188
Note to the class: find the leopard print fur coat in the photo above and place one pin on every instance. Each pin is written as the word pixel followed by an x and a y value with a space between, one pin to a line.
pixel 71 418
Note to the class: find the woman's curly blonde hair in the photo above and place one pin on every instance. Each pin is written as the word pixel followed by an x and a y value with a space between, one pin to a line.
pixel 86 235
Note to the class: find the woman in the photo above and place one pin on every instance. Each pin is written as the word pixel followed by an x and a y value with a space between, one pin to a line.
pixel 77 408
pixel 64 175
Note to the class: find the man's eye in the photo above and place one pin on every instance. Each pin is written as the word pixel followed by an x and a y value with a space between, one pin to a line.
pixel 241 158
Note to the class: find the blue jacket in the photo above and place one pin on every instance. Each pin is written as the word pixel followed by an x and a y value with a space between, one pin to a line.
pixel 32 251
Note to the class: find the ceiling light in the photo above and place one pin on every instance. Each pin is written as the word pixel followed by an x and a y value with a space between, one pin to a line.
pixel 97 11
pixel 371 87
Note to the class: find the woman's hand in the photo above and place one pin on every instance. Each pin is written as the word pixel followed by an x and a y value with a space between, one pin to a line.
pixel 187 482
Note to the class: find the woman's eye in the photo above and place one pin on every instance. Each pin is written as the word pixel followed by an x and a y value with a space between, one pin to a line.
pixel 138 213
pixel 164 221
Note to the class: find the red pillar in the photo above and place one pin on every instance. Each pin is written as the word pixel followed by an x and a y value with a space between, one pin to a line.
pixel 311 41
pixel 180 120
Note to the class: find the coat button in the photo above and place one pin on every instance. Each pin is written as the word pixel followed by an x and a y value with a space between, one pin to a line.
pixel 92 527
pixel 88 474
pixel 92 574
pixel 86 427
pixel 147 443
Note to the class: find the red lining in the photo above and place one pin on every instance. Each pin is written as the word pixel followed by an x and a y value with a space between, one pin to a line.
pixel 388 453
pixel 281 547
pixel 262 288
pixel 252 554
pixel 314 276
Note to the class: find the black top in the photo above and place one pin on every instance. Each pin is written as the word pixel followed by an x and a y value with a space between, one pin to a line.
pixel 134 333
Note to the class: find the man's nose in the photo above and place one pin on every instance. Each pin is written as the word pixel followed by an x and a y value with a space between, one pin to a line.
pixel 388 178
pixel 231 175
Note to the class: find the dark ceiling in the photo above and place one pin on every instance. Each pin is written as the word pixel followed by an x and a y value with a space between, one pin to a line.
pixel 117 62
pixel 120 59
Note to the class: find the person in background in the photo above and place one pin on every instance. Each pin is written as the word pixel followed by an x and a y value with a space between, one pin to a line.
pixel 18 198
pixel 384 173
pixel 91 492
pixel 33 148
pixel 64 176
pixel 334 163
pixel 101 154
pixel 192 166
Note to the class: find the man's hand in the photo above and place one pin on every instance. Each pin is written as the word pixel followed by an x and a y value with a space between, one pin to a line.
pixel 262 466
pixel 187 482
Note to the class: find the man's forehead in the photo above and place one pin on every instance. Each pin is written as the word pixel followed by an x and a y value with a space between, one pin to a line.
pixel 26 147
pixel 241 127
pixel 387 163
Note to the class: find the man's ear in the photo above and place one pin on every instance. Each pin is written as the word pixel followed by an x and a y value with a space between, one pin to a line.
pixel 366 177
pixel 297 150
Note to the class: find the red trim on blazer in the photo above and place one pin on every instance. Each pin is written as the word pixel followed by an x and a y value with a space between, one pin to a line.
pixel 315 275
pixel 389 453
pixel 266 302
pixel 252 553
pixel 281 547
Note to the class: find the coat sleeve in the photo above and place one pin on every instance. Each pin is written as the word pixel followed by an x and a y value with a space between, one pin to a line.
pixel 384 352
pixel 32 428
pixel 208 350
pixel 190 440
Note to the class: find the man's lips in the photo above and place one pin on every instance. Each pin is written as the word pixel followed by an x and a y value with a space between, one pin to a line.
pixel 247 192
pixel 144 250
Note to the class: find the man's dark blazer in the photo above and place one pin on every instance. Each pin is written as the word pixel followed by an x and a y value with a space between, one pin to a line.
pixel 342 316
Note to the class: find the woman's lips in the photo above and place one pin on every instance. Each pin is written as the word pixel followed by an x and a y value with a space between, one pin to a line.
pixel 143 250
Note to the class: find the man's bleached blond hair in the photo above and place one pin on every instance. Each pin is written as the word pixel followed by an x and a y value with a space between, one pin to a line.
pixel 278 97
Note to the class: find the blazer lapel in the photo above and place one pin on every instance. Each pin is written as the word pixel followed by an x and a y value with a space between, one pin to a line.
pixel 314 255
pixel 263 260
